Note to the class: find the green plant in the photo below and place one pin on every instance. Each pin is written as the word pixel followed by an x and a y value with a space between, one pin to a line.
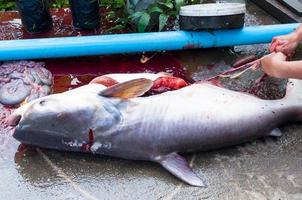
pixel 154 15
pixel 59 3
pixel 157 15
pixel 7 5
pixel 113 3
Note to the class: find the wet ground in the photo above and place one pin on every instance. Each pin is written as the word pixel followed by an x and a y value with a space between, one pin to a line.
pixel 264 169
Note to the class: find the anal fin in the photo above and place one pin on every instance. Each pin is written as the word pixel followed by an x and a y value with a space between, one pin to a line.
pixel 275 133
pixel 179 167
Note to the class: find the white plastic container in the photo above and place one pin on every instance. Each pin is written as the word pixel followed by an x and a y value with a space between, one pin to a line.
pixel 212 16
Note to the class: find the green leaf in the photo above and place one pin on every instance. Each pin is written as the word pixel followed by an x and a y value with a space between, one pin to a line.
pixel 179 3
pixel 143 22
pixel 111 15
pixel 163 18
pixel 136 15
pixel 155 9
pixel 121 21
pixel 167 4
pixel 10 5
pixel 116 28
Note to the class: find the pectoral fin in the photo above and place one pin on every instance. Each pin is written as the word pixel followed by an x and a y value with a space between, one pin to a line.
pixel 128 89
pixel 179 167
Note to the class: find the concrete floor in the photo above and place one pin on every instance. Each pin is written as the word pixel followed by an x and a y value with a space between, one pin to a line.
pixel 269 168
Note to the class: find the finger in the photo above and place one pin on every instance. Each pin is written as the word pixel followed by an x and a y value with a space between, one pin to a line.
pixel 282 42
pixel 275 44
pixel 263 58
pixel 272 47
pixel 268 55
pixel 284 49
pixel 281 56
pixel 279 49
pixel 290 55
pixel 275 39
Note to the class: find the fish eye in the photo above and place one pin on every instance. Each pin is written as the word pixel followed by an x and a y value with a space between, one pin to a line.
pixel 42 102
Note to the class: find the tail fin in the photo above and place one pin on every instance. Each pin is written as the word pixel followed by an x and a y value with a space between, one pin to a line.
pixel 294 97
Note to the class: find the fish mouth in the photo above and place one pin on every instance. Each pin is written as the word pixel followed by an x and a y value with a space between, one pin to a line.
pixel 14 119
pixel 43 139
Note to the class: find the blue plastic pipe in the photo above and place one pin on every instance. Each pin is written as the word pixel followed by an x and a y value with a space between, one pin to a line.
pixel 138 42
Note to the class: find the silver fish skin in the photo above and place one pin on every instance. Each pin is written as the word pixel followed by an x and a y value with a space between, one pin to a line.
pixel 199 117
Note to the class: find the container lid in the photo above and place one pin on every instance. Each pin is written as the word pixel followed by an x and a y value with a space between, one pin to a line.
pixel 213 9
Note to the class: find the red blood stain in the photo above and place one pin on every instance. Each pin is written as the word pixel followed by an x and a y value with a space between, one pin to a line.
pixel 115 64
pixel 167 83
pixel 83 70
pixel 87 147
pixel 91 137
pixel 216 82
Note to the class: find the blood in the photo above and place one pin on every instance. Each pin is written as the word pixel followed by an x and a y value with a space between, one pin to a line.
pixel 168 83
pixel 87 147
pixel 72 73
pixel 216 82
pixel 91 137
pixel 68 82
pixel 256 87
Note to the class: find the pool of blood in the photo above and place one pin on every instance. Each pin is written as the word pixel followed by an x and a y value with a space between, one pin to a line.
pixel 72 73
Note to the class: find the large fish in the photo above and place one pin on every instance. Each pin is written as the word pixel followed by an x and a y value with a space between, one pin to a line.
pixel 116 122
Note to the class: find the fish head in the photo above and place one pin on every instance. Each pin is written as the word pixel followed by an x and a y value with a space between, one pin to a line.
pixel 69 120
pixel 63 121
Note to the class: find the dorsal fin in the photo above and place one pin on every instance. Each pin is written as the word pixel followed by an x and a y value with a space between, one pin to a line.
pixel 128 89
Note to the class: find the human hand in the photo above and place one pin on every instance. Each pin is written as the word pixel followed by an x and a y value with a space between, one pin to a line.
pixel 285 44
pixel 273 64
